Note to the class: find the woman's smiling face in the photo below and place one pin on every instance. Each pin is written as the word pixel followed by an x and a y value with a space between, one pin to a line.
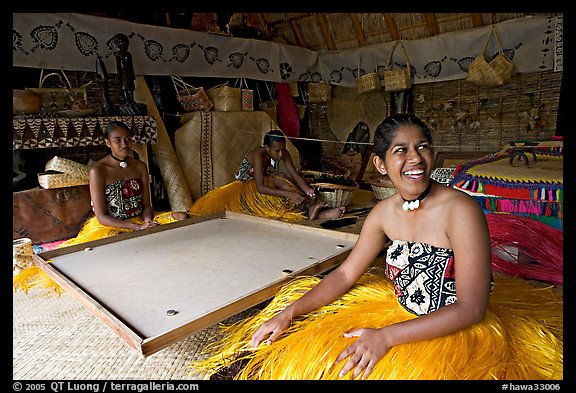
pixel 409 160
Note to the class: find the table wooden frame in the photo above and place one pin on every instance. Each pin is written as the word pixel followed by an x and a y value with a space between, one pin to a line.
pixel 74 267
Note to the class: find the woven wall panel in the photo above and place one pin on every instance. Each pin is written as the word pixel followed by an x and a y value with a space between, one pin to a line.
pixel 466 117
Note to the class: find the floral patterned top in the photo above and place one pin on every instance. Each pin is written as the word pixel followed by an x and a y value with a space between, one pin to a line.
pixel 246 170
pixel 124 198
pixel 423 275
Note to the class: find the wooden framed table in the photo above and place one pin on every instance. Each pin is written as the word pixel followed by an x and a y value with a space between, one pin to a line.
pixel 156 287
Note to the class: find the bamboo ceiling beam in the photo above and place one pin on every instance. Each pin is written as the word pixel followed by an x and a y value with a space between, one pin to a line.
pixel 325 31
pixel 391 25
pixel 297 33
pixel 263 26
pixel 360 34
pixel 477 20
pixel 431 23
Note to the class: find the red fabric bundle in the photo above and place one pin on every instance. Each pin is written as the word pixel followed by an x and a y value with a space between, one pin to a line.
pixel 287 113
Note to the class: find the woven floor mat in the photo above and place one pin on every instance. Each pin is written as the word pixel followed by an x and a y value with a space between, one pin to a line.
pixel 57 338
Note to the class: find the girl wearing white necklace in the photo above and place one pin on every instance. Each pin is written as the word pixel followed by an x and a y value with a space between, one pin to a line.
pixel 435 312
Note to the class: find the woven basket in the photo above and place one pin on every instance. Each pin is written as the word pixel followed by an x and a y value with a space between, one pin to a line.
pixel 400 79
pixel 55 99
pixel 319 92
pixel 22 254
pixel 368 82
pixel 55 179
pixel 382 186
pixel 72 168
pixel 61 172
pixel 194 100
pixel 225 98
pixel 494 73
pixel 335 195
pixel 191 98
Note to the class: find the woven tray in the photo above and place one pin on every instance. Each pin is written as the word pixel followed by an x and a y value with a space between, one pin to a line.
pixel 55 179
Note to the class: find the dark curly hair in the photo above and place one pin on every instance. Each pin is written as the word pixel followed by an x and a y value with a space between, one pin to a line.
pixel 388 129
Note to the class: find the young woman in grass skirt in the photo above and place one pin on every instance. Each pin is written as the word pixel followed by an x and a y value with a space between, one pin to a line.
pixel 435 312
pixel 262 190
pixel 120 199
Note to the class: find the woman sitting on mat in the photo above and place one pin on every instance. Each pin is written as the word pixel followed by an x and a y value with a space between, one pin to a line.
pixel 120 198
pixel 261 189
pixel 434 312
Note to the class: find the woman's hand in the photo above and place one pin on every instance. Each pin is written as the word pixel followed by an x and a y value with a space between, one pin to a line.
pixel 147 224
pixel 364 353
pixel 273 327
pixel 297 198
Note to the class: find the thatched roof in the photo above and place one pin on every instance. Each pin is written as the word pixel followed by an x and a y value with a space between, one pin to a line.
pixel 324 31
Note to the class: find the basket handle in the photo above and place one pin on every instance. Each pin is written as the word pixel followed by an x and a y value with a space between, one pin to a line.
pixel 44 77
pixel 178 83
pixel 360 62
pixel 388 64
pixel 242 84
pixel 494 31
pixel 181 85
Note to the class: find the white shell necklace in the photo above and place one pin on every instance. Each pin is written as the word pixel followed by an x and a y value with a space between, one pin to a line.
pixel 415 203
pixel 123 163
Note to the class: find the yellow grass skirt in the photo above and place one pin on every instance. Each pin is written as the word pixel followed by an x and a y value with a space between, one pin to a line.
pixel 34 277
pixel 244 197
pixel 520 338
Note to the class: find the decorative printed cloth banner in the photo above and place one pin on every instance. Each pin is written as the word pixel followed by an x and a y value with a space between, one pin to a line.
pixel 74 41
pixel 37 133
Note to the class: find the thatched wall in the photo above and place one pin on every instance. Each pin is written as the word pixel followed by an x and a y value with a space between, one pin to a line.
pixel 465 117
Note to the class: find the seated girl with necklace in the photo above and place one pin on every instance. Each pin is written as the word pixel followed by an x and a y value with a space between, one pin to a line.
pixel 263 190
pixel 120 199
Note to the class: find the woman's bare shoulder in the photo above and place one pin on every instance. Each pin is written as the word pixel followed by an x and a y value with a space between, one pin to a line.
pixel 456 196
pixel 461 205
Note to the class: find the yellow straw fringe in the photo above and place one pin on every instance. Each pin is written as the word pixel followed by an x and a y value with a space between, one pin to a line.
pixel 34 277
pixel 244 197
pixel 520 338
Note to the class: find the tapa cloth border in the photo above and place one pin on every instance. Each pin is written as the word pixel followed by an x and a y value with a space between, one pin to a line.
pixel 37 133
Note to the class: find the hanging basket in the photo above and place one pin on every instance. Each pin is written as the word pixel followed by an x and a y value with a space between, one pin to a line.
pixel 399 79
pixel 225 98
pixel 319 92
pixel 190 98
pixel 491 73
pixel 368 82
